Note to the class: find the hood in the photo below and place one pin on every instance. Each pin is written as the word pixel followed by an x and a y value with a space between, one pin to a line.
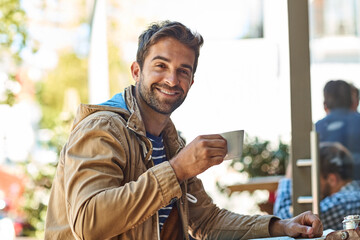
pixel 116 101
pixel 115 104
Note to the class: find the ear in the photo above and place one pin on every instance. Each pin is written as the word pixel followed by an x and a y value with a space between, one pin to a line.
pixel 135 71
pixel 333 180
pixel 326 108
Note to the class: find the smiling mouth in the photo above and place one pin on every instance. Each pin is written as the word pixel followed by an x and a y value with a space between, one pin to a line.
pixel 167 92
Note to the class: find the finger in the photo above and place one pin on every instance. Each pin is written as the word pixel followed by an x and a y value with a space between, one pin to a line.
pixel 212 136
pixel 212 153
pixel 318 228
pixel 309 217
pixel 217 160
pixel 214 143
pixel 314 221
pixel 305 231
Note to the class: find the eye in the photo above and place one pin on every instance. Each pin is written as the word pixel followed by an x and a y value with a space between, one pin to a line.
pixel 184 72
pixel 160 65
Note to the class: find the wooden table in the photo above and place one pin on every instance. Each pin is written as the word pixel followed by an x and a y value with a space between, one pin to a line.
pixel 259 183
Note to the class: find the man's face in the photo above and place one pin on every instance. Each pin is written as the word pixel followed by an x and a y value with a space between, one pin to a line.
pixel 167 75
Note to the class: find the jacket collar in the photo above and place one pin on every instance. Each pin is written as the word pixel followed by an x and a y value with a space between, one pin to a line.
pixel 134 122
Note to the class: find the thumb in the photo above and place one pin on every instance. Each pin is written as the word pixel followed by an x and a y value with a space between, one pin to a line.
pixel 305 230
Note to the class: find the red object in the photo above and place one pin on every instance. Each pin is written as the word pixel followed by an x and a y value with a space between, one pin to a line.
pixel 12 186
pixel 271 197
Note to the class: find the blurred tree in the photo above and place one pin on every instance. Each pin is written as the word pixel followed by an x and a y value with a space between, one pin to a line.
pixel 71 73
pixel 36 197
pixel 13 32
pixel 13 37
pixel 259 159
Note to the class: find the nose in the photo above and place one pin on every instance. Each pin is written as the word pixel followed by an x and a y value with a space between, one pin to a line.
pixel 172 79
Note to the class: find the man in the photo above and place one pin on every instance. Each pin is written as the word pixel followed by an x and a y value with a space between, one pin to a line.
pixel 341 123
pixel 340 194
pixel 126 174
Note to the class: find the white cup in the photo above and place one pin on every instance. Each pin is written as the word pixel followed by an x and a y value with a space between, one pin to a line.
pixel 235 140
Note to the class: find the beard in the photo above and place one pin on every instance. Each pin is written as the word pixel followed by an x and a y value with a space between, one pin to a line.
pixel 326 191
pixel 149 96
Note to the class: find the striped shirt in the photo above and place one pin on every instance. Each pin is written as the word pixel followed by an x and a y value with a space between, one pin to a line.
pixel 159 156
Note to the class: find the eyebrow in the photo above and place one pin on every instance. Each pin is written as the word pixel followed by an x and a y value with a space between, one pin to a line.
pixel 168 60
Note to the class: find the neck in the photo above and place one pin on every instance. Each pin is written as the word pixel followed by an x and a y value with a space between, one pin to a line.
pixel 339 186
pixel 154 122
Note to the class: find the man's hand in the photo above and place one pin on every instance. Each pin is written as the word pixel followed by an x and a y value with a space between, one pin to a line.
pixel 306 225
pixel 203 152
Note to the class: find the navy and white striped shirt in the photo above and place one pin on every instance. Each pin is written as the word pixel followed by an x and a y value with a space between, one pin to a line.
pixel 159 156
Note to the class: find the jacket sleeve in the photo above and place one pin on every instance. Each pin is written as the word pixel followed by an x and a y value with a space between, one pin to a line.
pixel 207 221
pixel 100 204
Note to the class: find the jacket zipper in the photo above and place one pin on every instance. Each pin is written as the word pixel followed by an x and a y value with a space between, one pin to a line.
pixel 182 214
pixel 158 225
pixel 145 152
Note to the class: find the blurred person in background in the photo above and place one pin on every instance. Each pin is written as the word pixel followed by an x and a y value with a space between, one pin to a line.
pixel 125 173
pixel 341 123
pixel 340 194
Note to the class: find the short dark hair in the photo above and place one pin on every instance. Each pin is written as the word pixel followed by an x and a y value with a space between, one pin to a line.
pixel 337 94
pixel 159 30
pixel 335 158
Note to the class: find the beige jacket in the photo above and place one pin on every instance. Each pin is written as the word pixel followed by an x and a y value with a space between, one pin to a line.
pixel 107 187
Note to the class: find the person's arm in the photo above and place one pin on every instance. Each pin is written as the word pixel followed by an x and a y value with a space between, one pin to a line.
pixel 306 225
pixel 208 221
pixel 283 203
pixel 102 198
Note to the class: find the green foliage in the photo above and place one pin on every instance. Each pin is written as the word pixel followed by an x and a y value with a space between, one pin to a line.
pixel 71 73
pixel 13 36
pixel 10 97
pixel 36 198
pixel 258 159
pixel 40 177
pixel 13 32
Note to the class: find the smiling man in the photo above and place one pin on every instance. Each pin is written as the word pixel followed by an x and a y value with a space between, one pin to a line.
pixel 126 174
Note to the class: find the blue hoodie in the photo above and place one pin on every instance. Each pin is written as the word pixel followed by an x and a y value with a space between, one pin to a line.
pixel 116 101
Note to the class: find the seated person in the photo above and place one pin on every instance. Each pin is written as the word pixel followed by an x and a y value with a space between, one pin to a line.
pixel 341 123
pixel 124 172
pixel 339 193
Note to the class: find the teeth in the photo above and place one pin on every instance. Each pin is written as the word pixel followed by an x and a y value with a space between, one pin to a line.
pixel 166 92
